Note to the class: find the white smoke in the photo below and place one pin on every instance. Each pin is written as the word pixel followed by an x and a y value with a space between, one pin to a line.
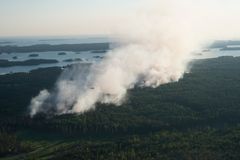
pixel 38 101
pixel 156 45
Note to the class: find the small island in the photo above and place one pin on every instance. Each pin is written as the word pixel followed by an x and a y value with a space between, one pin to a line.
pixel 78 59
pixel 99 51
pixel 14 57
pixel 98 57
pixel 33 55
pixel 73 60
pixel 62 54
pixel 31 62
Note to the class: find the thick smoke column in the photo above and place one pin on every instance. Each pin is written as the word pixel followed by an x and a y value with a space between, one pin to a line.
pixel 155 49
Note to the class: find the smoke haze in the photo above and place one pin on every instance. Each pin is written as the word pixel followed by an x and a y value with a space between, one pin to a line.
pixel 154 47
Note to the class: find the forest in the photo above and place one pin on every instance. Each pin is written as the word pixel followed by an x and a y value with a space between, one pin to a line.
pixel 196 118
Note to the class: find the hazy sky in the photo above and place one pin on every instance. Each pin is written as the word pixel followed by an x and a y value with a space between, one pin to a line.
pixel 84 17
pixel 59 17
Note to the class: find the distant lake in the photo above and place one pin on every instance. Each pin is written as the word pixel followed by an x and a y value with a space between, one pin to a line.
pixel 65 58
pixel 87 57
pixel 214 53
pixel 27 41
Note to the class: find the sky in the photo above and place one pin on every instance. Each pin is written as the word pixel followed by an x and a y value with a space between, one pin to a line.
pixel 88 17
pixel 60 17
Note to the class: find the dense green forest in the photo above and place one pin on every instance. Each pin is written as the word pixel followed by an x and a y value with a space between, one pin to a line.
pixel 195 118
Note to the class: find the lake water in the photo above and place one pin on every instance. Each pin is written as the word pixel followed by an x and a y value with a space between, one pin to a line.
pixel 87 57
pixel 26 41
pixel 214 53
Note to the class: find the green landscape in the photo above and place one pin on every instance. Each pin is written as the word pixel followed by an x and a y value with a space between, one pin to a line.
pixel 196 118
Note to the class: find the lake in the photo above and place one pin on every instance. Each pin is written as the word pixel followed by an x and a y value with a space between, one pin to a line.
pixel 54 40
pixel 214 53
pixel 64 57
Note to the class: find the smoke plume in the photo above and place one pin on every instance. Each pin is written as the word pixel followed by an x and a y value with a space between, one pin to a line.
pixel 154 47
